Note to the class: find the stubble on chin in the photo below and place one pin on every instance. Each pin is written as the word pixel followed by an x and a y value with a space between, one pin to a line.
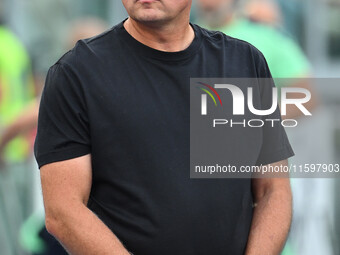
pixel 149 16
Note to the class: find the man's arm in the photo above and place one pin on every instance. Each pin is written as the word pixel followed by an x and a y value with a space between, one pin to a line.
pixel 66 187
pixel 272 215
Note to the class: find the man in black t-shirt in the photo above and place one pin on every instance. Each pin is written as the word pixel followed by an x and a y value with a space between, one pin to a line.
pixel 113 144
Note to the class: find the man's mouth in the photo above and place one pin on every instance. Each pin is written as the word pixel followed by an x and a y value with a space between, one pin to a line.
pixel 146 1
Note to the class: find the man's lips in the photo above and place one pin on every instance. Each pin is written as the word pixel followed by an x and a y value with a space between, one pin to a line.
pixel 146 1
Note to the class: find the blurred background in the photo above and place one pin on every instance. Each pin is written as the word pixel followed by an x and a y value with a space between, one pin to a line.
pixel 299 38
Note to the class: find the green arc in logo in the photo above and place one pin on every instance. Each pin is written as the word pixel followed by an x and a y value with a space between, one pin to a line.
pixel 209 95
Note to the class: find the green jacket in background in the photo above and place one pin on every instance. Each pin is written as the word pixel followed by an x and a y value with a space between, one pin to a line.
pixel 16 89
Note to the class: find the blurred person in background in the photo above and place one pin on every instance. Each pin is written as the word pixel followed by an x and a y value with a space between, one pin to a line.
pixel 259 22
pixel 263 11
pixel 16 92
pixel 284 56
pixel 34 238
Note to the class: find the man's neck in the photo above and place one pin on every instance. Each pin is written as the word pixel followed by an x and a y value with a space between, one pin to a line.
pixel 170 37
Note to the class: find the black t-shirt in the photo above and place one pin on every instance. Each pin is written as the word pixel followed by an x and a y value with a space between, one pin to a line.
pixel 128 105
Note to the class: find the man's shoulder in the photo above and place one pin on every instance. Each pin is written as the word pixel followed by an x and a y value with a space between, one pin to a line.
pixel 87 49
pixel 226 42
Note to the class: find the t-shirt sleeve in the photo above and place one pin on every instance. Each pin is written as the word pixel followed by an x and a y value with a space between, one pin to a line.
pixel 275 143
pixel 63 128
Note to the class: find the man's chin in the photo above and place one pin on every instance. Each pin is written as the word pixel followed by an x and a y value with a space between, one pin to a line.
pixel 149 18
